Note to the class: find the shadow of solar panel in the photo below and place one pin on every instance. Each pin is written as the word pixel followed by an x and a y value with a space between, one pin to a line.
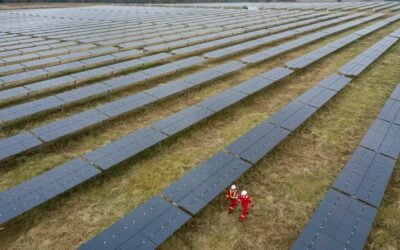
pixel 16 144
pixel 182 120
pixel 145 227
pixel 223 100
pixel 339 222
pixel 126 104
pixel 41 188
pixel 124 148
pixel 24 110
pixel 68 126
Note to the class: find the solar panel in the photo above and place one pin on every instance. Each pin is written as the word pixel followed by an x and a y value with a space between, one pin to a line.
pixel 67 126
pixel 126 80
pixel 93 74
pixel 169 89
pixel 143 228
pixel 366 182
pixel 17 78
pixel 8 94
pixel 16 144
pixel 124 148
pixel 181 120
pixel 51 83
pixel 126 104
pixel 339 222
pixel 255 144
pixel 223 100
pixel 391 111
pixel 382 137
pixel 335 82
pixel 204 183
pixel 41 188
pixel 24 110
pixel 65 67
pixel 396 93
pixel 83 93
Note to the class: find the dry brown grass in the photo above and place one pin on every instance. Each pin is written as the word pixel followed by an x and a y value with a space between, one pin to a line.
pixel 286 186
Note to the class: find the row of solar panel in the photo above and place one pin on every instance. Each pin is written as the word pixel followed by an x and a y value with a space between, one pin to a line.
pixel 11 114
pixel 122 149
pixel 49 72
pixel 313 56
pixel 225 98
pixel 137 31
pixel 346 214
pixel 264 40
pixel 142 31
pixel 358 64
pixel 29 108
pixel 21 111
pixel 11 94
pixel 55 130
pixel 200 186
pixel 166 36
pixel 240 37
pixel 196 189
pixel 271 52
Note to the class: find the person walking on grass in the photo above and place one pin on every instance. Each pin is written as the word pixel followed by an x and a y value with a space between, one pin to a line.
pixel 245 199
pixel 232 195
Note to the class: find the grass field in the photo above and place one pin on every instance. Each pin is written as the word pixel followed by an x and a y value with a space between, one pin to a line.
pixel 286 186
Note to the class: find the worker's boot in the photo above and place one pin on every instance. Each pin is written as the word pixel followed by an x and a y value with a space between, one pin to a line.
pixel 241 218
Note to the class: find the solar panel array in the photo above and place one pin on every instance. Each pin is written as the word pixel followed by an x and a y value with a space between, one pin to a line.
pixel 63 57
pixel 200 186
pixel 271 52
pixel 347 212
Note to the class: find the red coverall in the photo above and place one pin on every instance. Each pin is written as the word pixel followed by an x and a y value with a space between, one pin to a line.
pixel 246 201
pixel 232 194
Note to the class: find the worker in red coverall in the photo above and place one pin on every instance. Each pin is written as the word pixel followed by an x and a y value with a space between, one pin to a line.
pixel 245 199
pixel 232 195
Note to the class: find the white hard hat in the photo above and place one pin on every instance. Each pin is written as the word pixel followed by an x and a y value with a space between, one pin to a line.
pixel 244 192
pixel 233 187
